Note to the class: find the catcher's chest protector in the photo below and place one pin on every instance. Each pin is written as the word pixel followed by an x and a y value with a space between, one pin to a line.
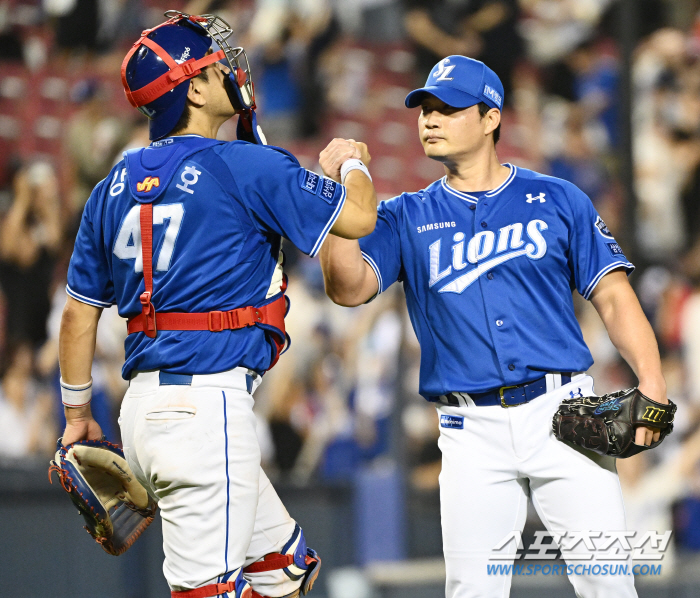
pixel 149 172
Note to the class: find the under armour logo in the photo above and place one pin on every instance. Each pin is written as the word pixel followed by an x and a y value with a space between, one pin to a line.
pixel 442 72
pixel 191 180
pixel 576 395
pixel 530 199
pixel 148 183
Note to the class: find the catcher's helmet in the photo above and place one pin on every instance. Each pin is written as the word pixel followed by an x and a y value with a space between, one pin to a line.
pixel 157 69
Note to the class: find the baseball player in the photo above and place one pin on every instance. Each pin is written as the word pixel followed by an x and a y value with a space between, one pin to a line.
pixel 184 237
pixel 488 256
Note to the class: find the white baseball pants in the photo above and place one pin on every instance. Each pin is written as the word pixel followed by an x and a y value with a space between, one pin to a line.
pixel 489 469
pixel 195 450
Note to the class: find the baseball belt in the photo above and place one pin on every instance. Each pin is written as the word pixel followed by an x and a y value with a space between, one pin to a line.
pixel 508 396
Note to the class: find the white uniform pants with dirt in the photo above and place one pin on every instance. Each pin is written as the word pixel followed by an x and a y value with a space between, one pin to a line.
pixel 491 466
pixel 195 449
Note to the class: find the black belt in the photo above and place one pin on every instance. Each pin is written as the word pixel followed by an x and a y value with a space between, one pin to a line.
pixel 508 396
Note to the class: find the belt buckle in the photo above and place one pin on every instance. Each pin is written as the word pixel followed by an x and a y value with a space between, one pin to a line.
pixel 222 321
pixel 503 402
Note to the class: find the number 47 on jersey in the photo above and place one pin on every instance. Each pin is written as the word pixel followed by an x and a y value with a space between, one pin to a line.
pixel 128 243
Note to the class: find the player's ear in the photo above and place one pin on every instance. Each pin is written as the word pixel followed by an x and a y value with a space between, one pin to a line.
pixel 492 120
pixel 197 92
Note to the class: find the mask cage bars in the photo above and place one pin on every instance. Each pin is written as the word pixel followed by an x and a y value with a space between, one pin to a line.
pixel 219 31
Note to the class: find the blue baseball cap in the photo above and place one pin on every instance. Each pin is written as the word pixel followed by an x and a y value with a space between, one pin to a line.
pixel 460 82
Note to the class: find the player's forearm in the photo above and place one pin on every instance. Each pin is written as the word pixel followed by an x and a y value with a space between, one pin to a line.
pixel 630 332
pixel 359 214
pixel 76 341
pixel 348 279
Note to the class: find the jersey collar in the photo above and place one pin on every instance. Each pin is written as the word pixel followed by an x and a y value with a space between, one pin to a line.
pixel 473 198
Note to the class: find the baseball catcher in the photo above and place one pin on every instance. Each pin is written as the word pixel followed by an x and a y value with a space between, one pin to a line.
pixel 184 237
pixel 99 481
pixel 606 425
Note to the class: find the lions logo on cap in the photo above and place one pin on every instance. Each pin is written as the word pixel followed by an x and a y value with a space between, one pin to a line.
pixel 442 72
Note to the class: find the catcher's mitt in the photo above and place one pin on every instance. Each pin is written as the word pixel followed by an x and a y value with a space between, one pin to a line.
pixel 606 425
pixel 99 481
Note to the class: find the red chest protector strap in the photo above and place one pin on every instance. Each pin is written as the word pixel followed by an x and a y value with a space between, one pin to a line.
pixel 149 322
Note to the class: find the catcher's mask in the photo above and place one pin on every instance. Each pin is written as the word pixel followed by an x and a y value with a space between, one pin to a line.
pixel 156 70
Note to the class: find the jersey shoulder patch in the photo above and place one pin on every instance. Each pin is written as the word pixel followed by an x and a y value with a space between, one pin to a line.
pixel 317 185
pixel 603 229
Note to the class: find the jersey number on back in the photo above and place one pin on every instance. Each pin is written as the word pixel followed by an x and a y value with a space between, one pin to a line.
pixel 128 243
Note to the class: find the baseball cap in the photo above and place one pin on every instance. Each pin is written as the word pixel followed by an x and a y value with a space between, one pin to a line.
pixel 460 82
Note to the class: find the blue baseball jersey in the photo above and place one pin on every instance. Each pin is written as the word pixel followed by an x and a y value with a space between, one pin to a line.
pixel 488 277
pixel 220 212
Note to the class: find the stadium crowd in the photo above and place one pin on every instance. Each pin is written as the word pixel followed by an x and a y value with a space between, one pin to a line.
pixel 346 390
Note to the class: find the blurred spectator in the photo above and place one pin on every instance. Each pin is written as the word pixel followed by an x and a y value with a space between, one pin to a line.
pixel 94 137
pixel 666 143
pixel 690 339
pixel 650 491
pixel 10 38
pixel 420 423
pixel 93 25
pixel 76 23
pixel 27 427
pixel 438 29
pixel 30 234
pixel 595 89
pixel 288 39
pixel 579 163
pixel 474 28
pixel 553 28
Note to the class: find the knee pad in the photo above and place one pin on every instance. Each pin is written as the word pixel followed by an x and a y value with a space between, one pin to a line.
pixel 287 573
pixel 238 588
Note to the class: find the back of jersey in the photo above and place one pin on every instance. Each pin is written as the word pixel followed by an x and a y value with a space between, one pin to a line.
pixel 219 213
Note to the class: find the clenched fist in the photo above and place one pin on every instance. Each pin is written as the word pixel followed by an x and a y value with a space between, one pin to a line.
pixel 337 152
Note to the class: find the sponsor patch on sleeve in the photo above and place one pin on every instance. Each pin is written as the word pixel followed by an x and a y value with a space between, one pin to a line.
pixel 318 185
pixel 452 421
pixel 615 249
pixel 310 181
pixel 328 190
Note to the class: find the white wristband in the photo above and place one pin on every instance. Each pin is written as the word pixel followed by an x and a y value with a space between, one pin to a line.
pixel 76 395
pixel 352 164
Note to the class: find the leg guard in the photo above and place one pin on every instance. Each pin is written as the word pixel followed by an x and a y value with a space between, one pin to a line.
pixel 239 588
pixel 295 561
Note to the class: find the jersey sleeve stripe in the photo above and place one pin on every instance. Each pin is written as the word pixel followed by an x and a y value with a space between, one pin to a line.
pixel 83 299
pixel 329 224
pixel 592 285
pixel 373 265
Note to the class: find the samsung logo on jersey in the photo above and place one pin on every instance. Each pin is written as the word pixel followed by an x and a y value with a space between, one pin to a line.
pixel 485 251
pixel 435 226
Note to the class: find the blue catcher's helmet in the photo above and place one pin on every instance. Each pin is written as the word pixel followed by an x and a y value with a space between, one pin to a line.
pixel 157 69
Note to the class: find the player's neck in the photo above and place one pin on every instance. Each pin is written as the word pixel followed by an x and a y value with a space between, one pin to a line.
pixel 204 126
pixel 476 173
